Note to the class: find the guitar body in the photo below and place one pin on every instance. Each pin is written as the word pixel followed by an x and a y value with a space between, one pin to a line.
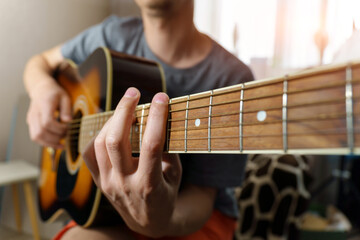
pixel 95 86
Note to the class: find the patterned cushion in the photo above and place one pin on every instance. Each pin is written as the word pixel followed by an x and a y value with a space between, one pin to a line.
pixel 274 194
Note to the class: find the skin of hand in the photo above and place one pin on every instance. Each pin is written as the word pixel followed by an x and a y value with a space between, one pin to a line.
pixel 143 190
pixel 47 99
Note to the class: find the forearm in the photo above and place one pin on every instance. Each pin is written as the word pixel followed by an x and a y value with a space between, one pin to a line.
pixel 193 208
pixel 40 67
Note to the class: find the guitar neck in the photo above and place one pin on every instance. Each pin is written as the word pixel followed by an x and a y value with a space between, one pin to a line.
pixel 312 112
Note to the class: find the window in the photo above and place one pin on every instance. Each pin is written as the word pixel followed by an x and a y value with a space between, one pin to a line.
pixel 278 32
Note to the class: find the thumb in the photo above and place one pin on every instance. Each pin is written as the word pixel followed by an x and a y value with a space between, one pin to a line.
pixel 65 108
pixel 172 169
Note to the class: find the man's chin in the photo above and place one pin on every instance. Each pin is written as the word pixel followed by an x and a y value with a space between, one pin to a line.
pixel 160 7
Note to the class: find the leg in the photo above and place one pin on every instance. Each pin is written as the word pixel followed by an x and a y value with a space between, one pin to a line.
pixel 30 205
pixel 17 211
pixel 120 232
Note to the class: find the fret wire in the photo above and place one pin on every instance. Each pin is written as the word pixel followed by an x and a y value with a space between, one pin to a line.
pixel 241 118
pixel 335 101
pixel 335 132
pixel 205 116
pixel 186 122
pixel 266 109
pixel 206 105
pixel 141 126
pixel 324 132
pixel 339 117
pixel 139 107
pixel 195 97
pixel 269 95
pixel 334 85
pixel 209 121
pixel 80 145
pixel 168 127
pixel 95 126
pixel 131 134
pixel 102 119
pixel 320 102
pixel 263 85
pixel 349 109
pixel 256 98
pixel 338 100
pixel 321 117
pixel 284 114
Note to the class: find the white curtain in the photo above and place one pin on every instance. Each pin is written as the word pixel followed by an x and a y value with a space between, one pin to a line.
pixel 280 32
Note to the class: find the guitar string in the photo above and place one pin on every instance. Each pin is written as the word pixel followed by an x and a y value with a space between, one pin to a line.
pixel 319 117
pixel 324 117
pixel 313 104
pixel 135 144
pixel 204 96
pixel 235 90
pixel 90 123
pixel 316 130
pixel 205 106
pixel 97 120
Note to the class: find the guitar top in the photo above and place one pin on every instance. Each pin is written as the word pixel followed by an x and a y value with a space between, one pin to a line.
pixel 94 87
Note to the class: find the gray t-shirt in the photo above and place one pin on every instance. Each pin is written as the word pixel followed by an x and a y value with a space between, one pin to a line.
pixel 219 69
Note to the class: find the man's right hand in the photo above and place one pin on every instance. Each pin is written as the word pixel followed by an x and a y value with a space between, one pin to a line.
pixel 50 106
pixel 45 125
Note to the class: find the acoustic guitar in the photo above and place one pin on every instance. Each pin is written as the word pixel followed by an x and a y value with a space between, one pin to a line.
pixel 315 111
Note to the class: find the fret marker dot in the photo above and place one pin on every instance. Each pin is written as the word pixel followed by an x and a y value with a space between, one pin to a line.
pixel 136 129
pixel 261 116
pixel 197 122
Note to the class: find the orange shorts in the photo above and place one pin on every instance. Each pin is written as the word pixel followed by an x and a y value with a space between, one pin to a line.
pixel 219 226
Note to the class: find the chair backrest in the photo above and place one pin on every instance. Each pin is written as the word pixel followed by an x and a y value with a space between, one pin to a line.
pixel 20 145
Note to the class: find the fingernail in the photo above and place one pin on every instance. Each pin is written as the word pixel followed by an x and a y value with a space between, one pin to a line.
pixel 131 92
pixel 161 98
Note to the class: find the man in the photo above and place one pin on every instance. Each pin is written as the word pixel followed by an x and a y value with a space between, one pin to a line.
pixel 145 190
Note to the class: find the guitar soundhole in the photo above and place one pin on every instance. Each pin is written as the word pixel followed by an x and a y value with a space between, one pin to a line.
pixel 74 136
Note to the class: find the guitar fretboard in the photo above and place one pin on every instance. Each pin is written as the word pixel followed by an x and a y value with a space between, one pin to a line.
pixel 313 112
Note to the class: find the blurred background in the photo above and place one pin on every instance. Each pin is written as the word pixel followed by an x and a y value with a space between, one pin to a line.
pixel 273 37
pixel 278 36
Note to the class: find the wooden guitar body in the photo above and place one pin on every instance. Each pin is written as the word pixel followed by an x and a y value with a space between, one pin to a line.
pixel 96 86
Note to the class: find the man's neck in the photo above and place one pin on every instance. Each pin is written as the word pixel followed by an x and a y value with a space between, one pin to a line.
pixel 175 40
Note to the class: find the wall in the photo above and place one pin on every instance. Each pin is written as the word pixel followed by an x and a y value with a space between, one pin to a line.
pixel 28 27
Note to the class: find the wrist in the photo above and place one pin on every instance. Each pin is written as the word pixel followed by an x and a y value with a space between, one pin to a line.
pixel 36 88
pixel 37 75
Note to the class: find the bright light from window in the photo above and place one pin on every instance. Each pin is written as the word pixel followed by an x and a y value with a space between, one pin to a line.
pixel 254 38
pixel 281 32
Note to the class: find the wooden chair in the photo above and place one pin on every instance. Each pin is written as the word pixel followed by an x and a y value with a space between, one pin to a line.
pixel 20 170
pixel 15 173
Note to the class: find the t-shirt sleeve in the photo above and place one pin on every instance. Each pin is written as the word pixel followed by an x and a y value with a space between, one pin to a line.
pixel 81 46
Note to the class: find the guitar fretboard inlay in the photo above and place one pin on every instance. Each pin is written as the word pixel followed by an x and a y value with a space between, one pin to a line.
pixel 261 116
pixel 197 122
